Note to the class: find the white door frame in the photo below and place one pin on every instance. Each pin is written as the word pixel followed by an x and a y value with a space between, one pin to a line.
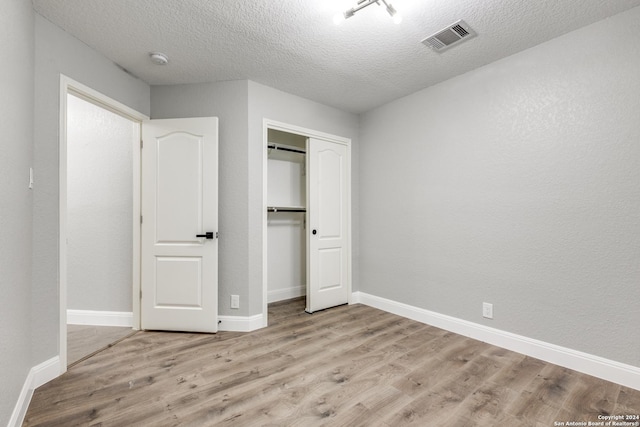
pixel 309 133
pixel 70 86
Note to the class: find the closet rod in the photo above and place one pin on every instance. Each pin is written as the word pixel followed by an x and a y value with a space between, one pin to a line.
pixel 285 209
pixel 283 147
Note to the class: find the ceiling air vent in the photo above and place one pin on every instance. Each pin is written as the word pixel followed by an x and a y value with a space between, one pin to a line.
pixel 450 36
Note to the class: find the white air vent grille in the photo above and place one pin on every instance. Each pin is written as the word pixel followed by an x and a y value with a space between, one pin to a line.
pixel 450 36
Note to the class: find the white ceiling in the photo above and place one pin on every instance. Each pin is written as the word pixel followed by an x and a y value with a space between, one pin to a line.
pixel 293 45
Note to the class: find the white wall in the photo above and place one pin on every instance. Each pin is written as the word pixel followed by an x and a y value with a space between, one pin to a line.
pixel 58 52
pixel 99 207
pixel 16 127
pixel 286 256
pixel 516 184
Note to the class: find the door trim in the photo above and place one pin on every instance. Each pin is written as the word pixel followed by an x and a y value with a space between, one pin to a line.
pixel 309 133
pixel 70 86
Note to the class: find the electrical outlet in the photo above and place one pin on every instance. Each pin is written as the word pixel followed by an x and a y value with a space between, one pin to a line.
pixel 487 310
pixel 235 301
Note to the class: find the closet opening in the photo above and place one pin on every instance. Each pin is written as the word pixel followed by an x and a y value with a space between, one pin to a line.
pixel 286 215
pixel 307 217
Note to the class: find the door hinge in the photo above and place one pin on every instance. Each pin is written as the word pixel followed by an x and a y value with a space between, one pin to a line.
pixel 141 144
pixel 140 219
pixel 140 293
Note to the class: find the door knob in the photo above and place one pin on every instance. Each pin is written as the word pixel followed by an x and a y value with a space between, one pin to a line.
pixel 207 235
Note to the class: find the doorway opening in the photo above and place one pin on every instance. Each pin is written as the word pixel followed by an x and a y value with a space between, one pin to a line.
pixel 286 216
pixel 99 221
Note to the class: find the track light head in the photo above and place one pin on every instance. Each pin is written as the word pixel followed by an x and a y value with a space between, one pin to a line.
pixel 393 13
pixel 339 17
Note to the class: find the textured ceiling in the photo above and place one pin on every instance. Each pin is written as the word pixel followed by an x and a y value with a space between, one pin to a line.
pixel 293 45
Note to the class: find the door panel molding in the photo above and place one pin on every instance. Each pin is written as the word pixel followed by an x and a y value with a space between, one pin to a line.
pixel 328 243
pixel 179 275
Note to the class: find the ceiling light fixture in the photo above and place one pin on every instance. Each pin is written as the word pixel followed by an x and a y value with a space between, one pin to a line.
pixel 159 58
pixel 364 3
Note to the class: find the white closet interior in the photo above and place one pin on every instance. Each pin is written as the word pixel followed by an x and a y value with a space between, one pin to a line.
pixel 286 216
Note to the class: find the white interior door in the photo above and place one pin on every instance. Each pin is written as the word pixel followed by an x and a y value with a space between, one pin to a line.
pixel 180 203
pixel 328 224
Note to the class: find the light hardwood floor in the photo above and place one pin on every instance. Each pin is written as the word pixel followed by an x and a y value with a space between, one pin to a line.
pixel 85 340
pixel 347 366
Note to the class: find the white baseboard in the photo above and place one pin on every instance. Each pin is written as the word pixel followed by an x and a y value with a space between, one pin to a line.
pixel 596 366
pixel 100 318
pixel 38 375
pixel 285 294
pixel 241 323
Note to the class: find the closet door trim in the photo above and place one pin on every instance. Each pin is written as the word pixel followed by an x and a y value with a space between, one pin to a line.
pixel 309 133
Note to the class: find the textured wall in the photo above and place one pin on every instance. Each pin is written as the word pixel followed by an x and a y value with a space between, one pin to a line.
pixel 57 52
pixel 228 101
pixel 16 127
pixel 516 184
pixel 99 207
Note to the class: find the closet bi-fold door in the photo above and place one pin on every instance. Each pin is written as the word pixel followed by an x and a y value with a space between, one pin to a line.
pixel 328 224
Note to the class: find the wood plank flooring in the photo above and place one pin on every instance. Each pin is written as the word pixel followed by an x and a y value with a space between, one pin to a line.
pixel 85 340
pixel 347 366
